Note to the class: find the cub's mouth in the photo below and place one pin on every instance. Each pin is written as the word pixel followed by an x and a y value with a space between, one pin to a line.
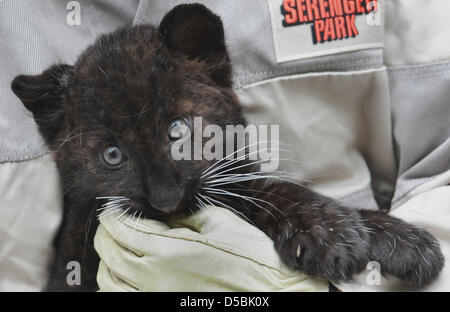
pixel 140 207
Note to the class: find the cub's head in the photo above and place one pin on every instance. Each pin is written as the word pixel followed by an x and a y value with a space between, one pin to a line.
pixel 113 118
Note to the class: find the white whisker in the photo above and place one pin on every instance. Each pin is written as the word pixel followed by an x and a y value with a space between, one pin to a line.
pixel 249 164
pixel 250 199
pixel 226 157
pixel 225 192
pixel 124 212
pixel 228 162
pixel 101 216
pixel 112 197
pixel 110 207
pixel 221 204
pixel 258 177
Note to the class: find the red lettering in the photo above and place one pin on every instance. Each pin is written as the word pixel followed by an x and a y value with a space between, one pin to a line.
pixel 320 27
pixel 360 6
pixel 329 33
pixel 312 10
pixel 340 27
pixel 351 27
pixel 372 5
pixel 349 6
pixel 335 8
pixel 330 19
pixel 289 7
pixel 301 11
pixel 323 9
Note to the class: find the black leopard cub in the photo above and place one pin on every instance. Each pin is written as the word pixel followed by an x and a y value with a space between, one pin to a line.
pixel 108 117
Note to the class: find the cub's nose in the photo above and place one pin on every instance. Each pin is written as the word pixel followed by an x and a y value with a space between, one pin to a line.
pixel 169 203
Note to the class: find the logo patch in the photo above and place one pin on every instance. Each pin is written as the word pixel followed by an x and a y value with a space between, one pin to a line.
pixel 309 28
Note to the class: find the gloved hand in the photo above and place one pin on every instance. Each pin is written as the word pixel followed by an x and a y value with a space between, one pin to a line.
pixel 214 250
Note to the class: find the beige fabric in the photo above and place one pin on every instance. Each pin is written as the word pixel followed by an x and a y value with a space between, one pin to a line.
pixel 336 124
pixel 437 181
pixel 212 251
pixel 30 212
pixel 416 31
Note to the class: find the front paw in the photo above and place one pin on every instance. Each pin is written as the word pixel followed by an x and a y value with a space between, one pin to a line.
pixel 328 244
pixel 403 250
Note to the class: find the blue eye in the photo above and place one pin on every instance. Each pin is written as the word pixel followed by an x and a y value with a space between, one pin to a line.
pixel 113 156
pixel 178 128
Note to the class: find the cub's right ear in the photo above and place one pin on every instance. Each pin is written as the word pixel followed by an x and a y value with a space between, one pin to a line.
pixel 198 33
pixel 42 95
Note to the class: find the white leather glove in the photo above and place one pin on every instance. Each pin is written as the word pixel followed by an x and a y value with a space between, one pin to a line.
pixel 214 250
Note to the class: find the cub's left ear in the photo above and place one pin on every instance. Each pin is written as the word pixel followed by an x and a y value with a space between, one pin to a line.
pixel 195 31
pixel 42 95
